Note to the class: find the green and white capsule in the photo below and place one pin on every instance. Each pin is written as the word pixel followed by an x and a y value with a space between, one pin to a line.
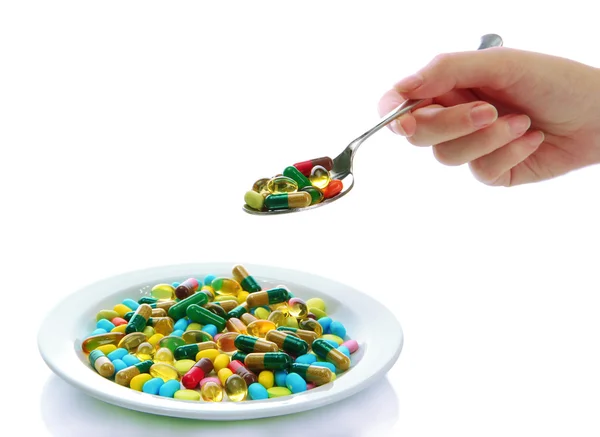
pixel 269 297
pixel 139 319
pixel 316 374
pixel 249 344
pixel 326 351
pixel 101 363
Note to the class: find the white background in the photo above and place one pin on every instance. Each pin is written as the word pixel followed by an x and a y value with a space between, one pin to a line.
pixel 129 132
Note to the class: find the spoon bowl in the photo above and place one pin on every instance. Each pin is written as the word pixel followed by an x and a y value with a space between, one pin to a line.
pixel 342 164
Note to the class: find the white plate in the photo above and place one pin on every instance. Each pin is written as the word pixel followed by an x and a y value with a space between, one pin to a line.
pixel 376 329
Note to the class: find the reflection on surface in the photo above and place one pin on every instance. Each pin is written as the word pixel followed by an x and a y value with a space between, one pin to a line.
pixel 68 411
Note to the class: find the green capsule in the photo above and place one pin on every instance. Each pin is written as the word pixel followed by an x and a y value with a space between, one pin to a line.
pixel 189 351
pixel 196 336
pixel 300 199
pixel 216 309
pixel 238 311
pixel 147 299
pixel 268 361
pixel 293 173
pixel 326 351
pixel 282 184
pixel 139 319
pixel 316 195
pixel 239 355
pixel 177 311
pixel 288 342
pixel 247 282
pixel 269 297
pixel 317 374
pixel 201 315
pixel 248 344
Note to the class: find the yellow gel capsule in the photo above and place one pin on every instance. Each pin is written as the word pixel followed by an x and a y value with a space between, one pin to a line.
pixel 145 351
pixel 194 327
pixel 211 354
pixel 154 339
pixel 262 313
pixel 121 309
pixel 221 361
pixel 297 308
pixel 120 328
pixel 282 184
pixel 226 286
pixel 187 395
pixel 148 331
pixel 163 292
pixel 291 322
pixel 281 306
pixel 266 378
pixel 311 325
pixel 164 355
pixel 316 302
pixel 138 381
pixel 259 328
pixel 277 392
pixel 223 374
pixel 212 392
pixel 158 312
pixel 164 371
pixel 132 341
pixel 335 338
pixel 107 348
pixel 162 325
pixel 260 185
pixel 319 177
pixel 277 317
pixel 236 388
pixel 242 296
pixel 183 366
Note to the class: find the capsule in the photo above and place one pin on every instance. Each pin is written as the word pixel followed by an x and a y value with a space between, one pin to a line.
pixel 123 377
pixel 196 336
pixel 187 288
pixel 315 374
pixel 254 200
pixel 319 177
pixel 95 341
pixel 277 317
pixel 236 388
pixel 248 318
pixel 164 371
pixel 157 312
pixel 268 361
pixel 333 189
pixel 162 292
pixel 248 283
pixel 227 305
pixel 164 304
pixel 145 351
pixel 171 342
pixel 297 308
pixel 260 328
pixel 329 353
pixel 101 363
pixel 162 325
pixel 164 355
pixel 269 297
pixel 260 185
pixel 293 173
pixel 300 199
pixel 208 291
pixel 140 317
pixel 311 325
pixel 236 325
pixel 316 195
pixel 247 343
pixel 281 184
pixel 177 311
pixel 132 341
pixel 238 311
pixel 226 341
pixel 305 167
pixel 307 336
pixel 147 299
pixel 189 351
pixel 239 356
pixel 212 392
pixel 240 369
pixel 226 286
pixel 203 316
pixel 288 342
pixel 197 373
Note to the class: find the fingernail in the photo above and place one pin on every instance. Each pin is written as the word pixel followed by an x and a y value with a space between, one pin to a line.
pixel 397 128
pixel 409 83
pixel 518 124
pixel 483 115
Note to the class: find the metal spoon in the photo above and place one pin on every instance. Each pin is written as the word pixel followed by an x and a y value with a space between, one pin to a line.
pixel 342 164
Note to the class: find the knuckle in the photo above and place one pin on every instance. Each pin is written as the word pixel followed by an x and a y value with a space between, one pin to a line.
pixel 445 156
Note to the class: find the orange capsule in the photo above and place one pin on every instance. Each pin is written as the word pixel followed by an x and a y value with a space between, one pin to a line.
pixel 226 341
pixel 236 325
pixel 332 189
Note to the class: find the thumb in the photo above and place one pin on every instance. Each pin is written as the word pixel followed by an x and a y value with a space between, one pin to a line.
pixel 495 68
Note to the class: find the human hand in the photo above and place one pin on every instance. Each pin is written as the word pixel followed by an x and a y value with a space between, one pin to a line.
pixel 514 116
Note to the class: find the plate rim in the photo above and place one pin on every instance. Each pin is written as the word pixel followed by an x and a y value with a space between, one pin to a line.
pixel 346 386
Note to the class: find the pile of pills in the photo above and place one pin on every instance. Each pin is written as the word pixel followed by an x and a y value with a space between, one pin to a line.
pixel 300 185
pixel 219 339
